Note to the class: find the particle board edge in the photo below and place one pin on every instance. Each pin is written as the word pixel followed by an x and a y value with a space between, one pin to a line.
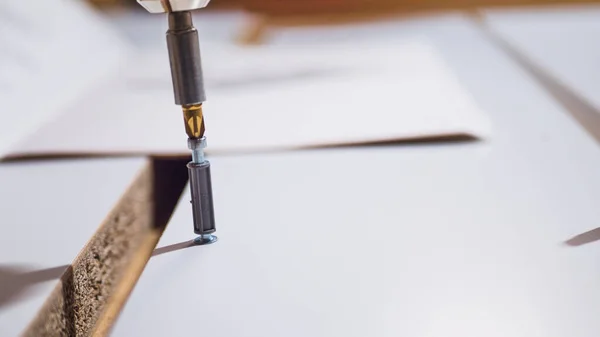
pixel 92 291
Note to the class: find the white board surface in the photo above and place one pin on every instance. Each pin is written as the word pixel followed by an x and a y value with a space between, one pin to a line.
pixel 370 243
pixel 562 41
pixel 53 51
pixel 276 98
pixel 269 97
pixel 48 211
pixel 430 241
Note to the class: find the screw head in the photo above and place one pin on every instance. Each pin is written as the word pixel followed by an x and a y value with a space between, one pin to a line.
pixel 205 239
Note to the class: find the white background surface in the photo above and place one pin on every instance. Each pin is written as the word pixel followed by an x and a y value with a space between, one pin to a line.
pixel 48 212
pixel 563 41
pixel 52 52
pixel 448 240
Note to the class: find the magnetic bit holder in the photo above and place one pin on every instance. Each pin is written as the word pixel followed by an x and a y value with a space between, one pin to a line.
pixel 201 188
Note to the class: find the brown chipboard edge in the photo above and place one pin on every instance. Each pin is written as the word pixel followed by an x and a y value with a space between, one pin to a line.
pixel 92 291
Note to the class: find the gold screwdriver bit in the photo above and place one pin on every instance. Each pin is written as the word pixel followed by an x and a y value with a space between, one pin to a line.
pixel 194 120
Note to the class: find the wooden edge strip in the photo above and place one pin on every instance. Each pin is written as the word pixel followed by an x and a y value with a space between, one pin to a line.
pixel 91 293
